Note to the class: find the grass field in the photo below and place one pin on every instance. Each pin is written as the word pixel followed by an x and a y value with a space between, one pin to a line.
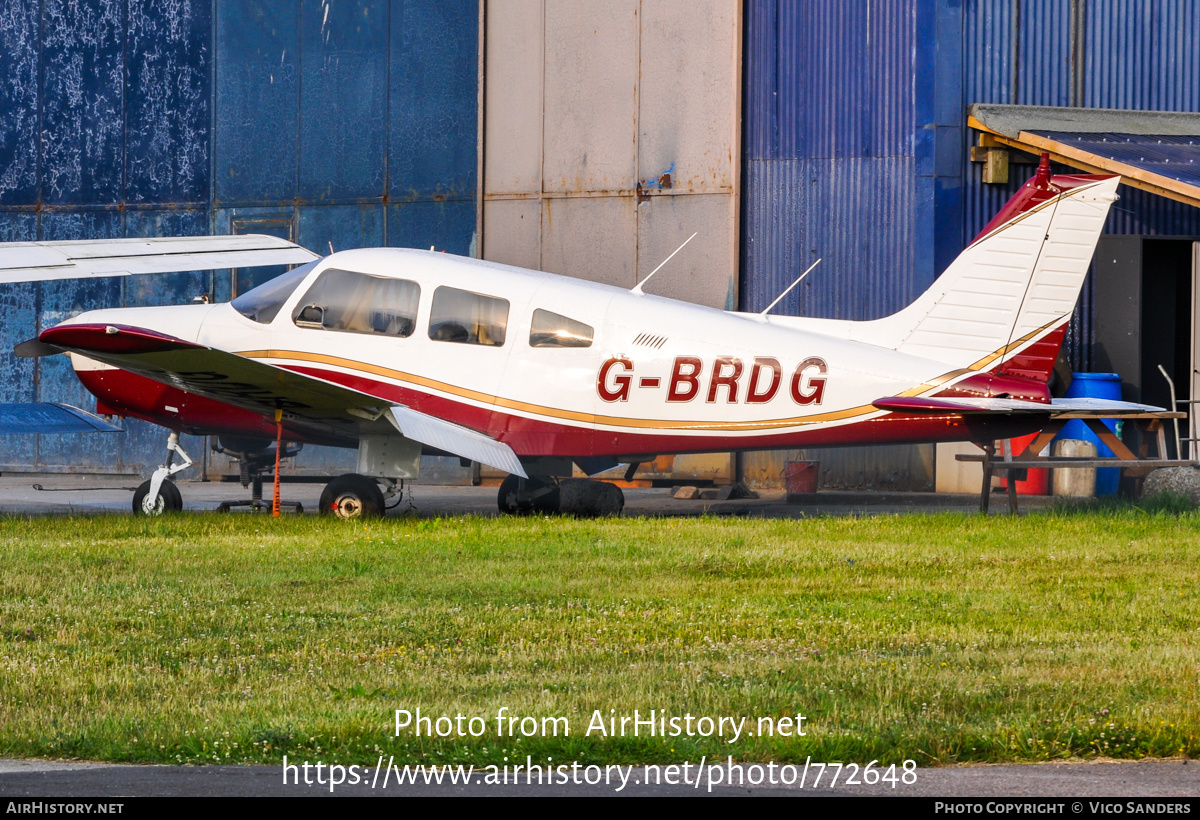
pixel 945 638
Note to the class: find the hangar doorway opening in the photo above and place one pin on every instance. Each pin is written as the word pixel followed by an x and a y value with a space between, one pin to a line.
pixel 1145 308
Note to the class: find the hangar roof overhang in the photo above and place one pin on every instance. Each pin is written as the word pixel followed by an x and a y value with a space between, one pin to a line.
pixel 1157 151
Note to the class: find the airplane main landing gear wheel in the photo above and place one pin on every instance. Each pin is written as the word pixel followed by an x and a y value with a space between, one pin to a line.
pixel 524 496
pixel 352 496
pixel 169 499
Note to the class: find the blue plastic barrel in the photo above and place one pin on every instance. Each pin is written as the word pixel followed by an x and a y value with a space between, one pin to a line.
pixel 1095 386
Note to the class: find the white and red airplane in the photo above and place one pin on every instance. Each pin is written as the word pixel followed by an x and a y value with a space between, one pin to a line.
pixel 402 352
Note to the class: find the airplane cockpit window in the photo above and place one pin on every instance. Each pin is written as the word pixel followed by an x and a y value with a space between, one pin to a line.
pixel 262 303
pixel 552 330
pixel 359 303
pixel 467 318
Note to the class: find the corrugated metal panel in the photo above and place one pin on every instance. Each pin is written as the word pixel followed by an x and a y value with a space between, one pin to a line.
pixel 1081 332
pixel 760 98
pixel 988 50
pixel 893 467
pixel 258 101
pixel 447 225
pixel 1141 212
pixel 1043 53
pixel 19 303
pixel 58 301
pixel 906 468
pixel 82 142
pixel 133 128
pixel 832 171
pixel 434 105
pixel 168 99
pixel 844 77
pixel 342 226
pixel 612 135
pixel 19 43
pixel 856 215
pixel 343 99
pixel 1171 157
pixel 1141 54
pixel 1176 69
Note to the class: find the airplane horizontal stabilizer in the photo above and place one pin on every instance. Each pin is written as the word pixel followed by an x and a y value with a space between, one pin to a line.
pixel 1089 406
pixel 94 258
pixel 453 438
pixel 45 417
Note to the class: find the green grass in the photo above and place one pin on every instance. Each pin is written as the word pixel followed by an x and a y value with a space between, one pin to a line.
pixel 945 638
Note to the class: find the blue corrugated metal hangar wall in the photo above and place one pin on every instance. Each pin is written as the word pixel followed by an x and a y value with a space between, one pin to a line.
pixel 354 123
pixel 856 146
pixel 350 122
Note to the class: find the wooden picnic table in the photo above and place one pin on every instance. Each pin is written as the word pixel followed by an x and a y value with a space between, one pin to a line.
pixel 1149 425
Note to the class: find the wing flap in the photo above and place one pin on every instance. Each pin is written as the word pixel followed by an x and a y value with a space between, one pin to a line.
pixel 453 438
pixel 93 258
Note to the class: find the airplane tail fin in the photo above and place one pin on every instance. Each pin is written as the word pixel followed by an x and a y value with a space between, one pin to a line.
pixel 1003 305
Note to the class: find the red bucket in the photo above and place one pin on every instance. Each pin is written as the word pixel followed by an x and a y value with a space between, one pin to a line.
pixel 800 477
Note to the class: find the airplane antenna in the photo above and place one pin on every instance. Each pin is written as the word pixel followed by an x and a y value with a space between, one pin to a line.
pixel 638 287
pixel 331 246
pixel 789 290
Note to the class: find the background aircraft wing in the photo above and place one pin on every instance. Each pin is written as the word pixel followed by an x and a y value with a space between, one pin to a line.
pixel 1098 407
pixel 94 258
pixel 46 417
pixel 262 388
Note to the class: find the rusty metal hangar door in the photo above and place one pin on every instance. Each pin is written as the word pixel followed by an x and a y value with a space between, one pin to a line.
pixel 611 133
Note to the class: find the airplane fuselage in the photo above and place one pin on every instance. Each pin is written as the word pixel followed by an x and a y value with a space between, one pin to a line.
pixel 610 373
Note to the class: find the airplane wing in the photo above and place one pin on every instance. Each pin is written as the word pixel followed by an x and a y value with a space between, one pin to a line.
pixel 95 258
pixel 262 388
pixel 1098 407
pixel 46 417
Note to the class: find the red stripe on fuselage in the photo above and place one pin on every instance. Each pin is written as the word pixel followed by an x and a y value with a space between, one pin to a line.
pixel 536 437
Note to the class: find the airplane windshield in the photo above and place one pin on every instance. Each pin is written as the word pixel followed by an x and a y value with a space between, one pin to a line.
pixel 263 302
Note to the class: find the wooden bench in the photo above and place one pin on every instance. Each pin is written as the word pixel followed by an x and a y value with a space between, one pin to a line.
pixel 1148 425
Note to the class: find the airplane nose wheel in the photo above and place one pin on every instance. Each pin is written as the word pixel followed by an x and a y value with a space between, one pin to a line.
pixel 352 496
pixel 169 499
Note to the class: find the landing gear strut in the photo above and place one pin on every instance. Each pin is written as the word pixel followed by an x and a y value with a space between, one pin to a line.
pixel 158 495
pixel 253 459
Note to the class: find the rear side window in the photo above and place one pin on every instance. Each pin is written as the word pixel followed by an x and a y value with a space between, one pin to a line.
pixel 552 330
pixel 359 303
pixel 467 318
